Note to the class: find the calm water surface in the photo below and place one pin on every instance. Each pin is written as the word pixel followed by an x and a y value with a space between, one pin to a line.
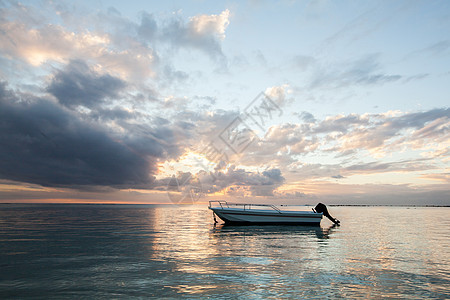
pixel 121 251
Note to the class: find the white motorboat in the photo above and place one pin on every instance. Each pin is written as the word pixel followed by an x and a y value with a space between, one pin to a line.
pixel 246 213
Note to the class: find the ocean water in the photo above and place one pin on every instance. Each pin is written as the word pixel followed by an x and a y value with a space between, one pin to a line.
pixel 139 251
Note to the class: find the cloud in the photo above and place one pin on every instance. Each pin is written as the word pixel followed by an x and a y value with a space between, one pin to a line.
pixel 22 41
pixel 380 194
pixel 416 77
pixel 114 114
pixel 438 48
pixel 442 177
pixel 340 123
pixel 365 24
pixel 202 32
pixel 213 25
pixel 236 179
pixel 331 146
pixel 159 141
pixel 148 27
pixel 43 143
pixel 289 138
pixel 278 94
pixel 306 117
pixel 363 71
pixel 233 181
pixel 384 132
pixel 78 85
pixel 171 75
pixel 55 34
pixel 397 166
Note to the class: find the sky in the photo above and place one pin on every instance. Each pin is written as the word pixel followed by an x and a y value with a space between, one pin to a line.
pixel 285 102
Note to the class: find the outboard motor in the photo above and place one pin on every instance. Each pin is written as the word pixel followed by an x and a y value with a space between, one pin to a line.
pixel 321 208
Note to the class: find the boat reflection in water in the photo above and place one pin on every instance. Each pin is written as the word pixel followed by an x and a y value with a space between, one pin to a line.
pixel 283 231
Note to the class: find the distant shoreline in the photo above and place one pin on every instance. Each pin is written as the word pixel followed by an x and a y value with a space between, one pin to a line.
pixel 390 205
pixel 172 204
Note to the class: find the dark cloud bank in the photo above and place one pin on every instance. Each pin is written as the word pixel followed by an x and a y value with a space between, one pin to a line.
pixel 78 85
pixel 50 143
pixel 43 143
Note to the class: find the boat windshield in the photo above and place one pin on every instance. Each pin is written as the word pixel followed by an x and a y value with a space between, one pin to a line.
pixel 248 206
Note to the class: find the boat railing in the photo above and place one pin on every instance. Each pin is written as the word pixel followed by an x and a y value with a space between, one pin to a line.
pixel 246 206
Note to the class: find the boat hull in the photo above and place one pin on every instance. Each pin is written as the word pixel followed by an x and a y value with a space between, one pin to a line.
pixel 253 216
